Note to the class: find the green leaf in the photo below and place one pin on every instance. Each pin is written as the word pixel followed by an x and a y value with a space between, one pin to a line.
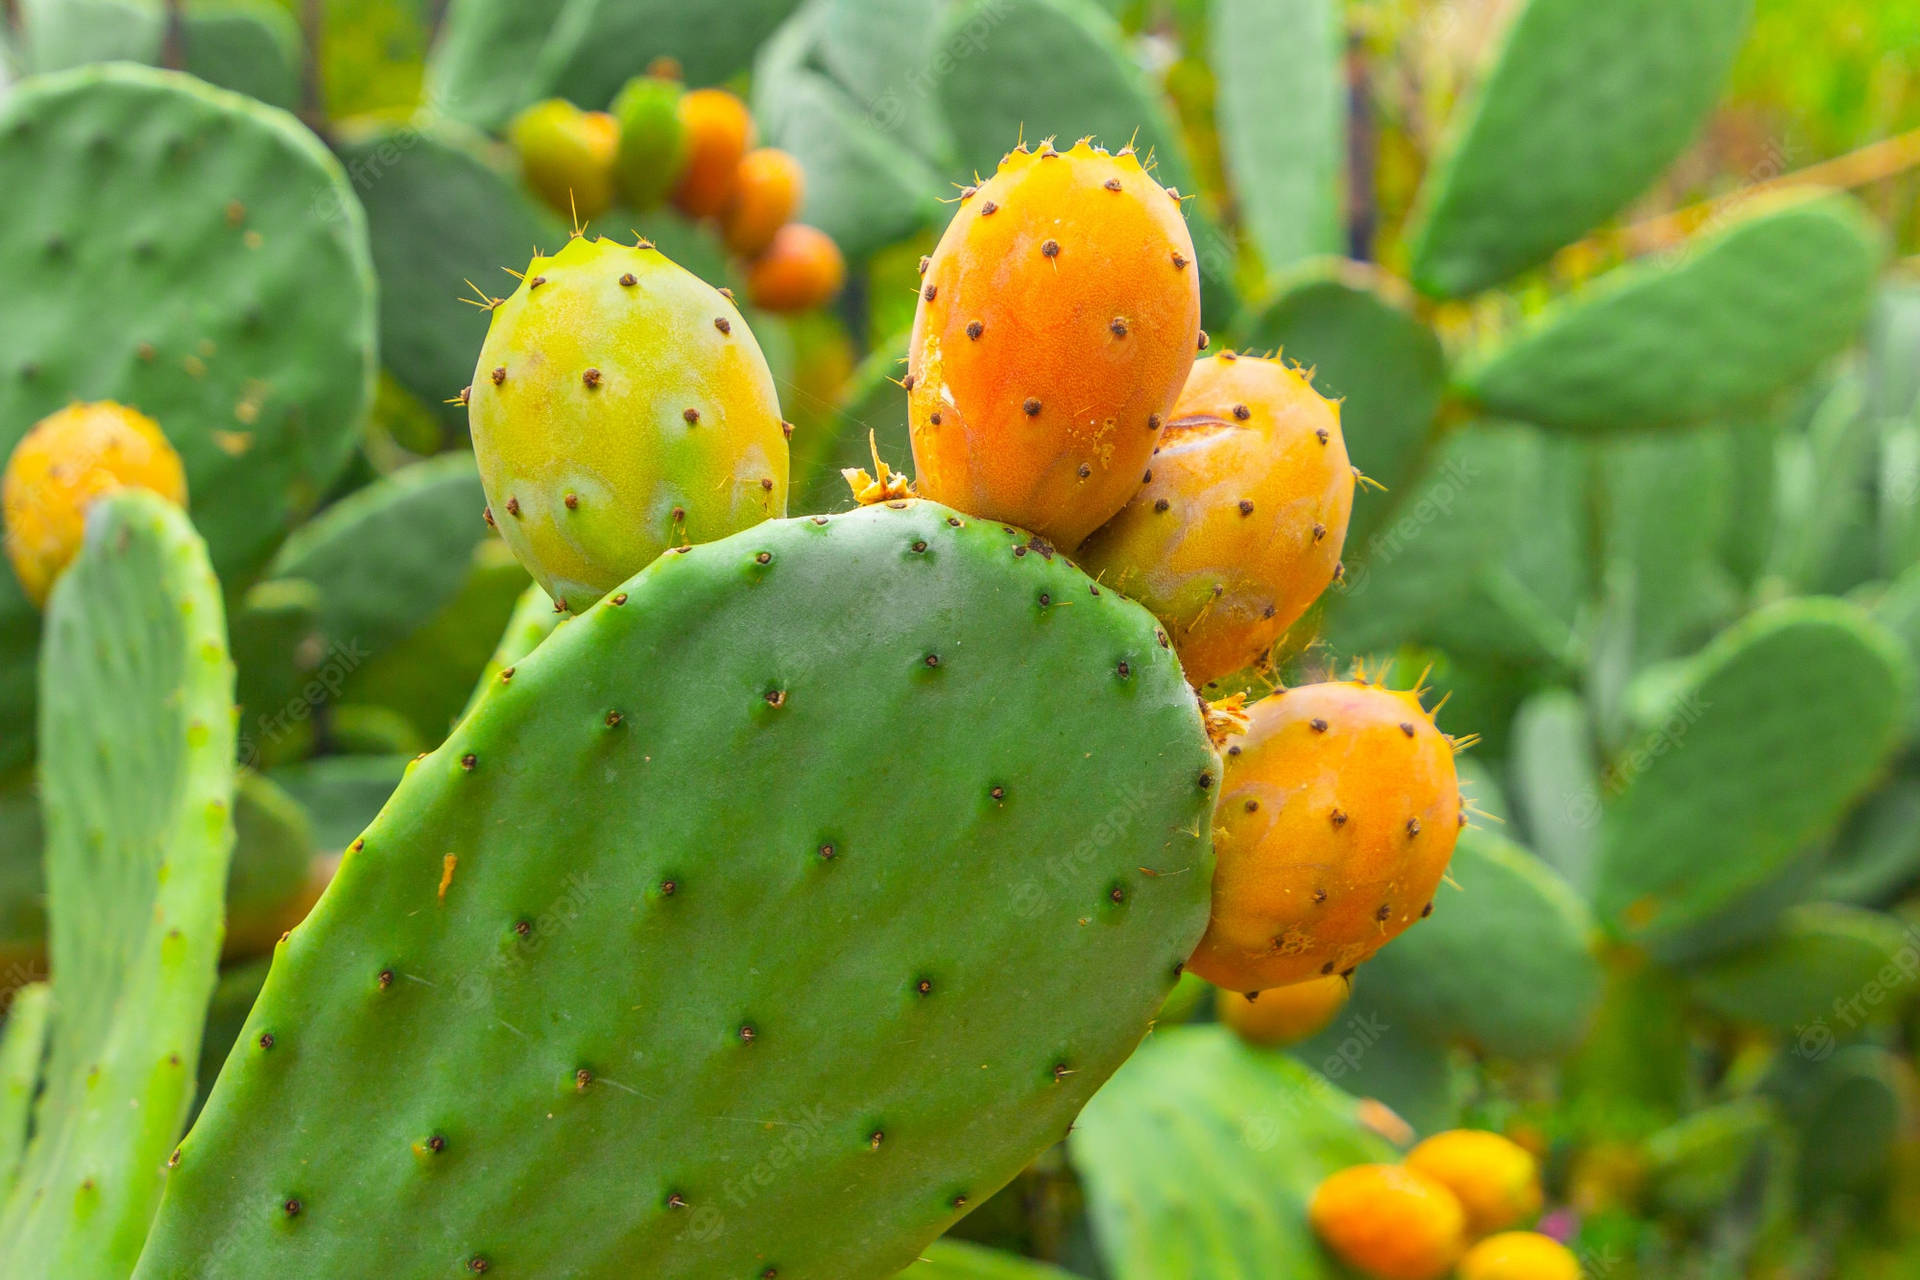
pixel 1584 105
pixel 1823 961
pixel 1749 310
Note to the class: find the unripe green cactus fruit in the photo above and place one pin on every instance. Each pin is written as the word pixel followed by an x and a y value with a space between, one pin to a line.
pixel 653 140
pixel 620 407
pixel 725 883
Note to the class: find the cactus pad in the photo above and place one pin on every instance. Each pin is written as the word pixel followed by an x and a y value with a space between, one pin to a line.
pixel 23 1046
pixel 1200 1156
pixel 1751 309
pixel 965 762
pixel 1585 105
pixel 136 781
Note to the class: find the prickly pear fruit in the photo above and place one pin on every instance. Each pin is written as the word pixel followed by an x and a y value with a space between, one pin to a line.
pixel 1057 323
pixel 1388 1221
pixel 63 463
pixel 767 191
pixel 653 142
pixel 1337 816
pixel 1284 1015
pixel 1519 1255
pixel 1496 1179
pixel 719 131
pixel 567 155
pixel 802 268
pixel 1238 527
pixel 621 407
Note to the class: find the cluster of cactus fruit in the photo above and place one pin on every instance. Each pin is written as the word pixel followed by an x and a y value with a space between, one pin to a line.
pixel 659 141
pixel 964 713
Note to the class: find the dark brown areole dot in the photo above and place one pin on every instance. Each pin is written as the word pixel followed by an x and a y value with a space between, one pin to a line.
pixel 1413 827
pixel 1406 727
pixel 1384 913
pixel 906 383
pixel 1246 507
pixel 1050 248
pixel 1179 263
pixel 620 599
pixel 931 292
pixel 786 429
pixel 1204 340
pixel 1031 407
pixel 925 262
pixel 1321 434
pixel 499 374
pixel 385 978
pixel 1319 896
pixel 975 329
pixel 933 419
pixel 1426 911
pixel 572 501
pixel 291 1208
pixel 1084 471
pixel 591 377
pixel 723 324
pixel 1111 184
pixel 988 209
pixel 747 1034
pixel 692 416
pixel 1338 818
pixel 1317 725
pixel 766 483
pixel 523 927
pixel 1119 326
pixel 436 1144
pixel 468 760
pixel 998 793
pixel 628 281
pixel 1153 422
pixel 536 282
pixel 1161 504
pixel 1240 412
pixel 764 557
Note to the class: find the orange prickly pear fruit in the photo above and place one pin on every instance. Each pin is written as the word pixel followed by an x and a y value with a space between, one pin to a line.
pixel 1389 1222
pixel 1497 1180
pixel 767 190
pixel 719 131
pixel 1284 1015
pixel 1519 1255
pixel 63 463
pixel 1057 322
pixel 567 155
pixel 802 268
pixel 1239 524
pixel 1337 816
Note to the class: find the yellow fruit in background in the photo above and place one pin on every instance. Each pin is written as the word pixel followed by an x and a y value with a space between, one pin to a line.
pixel 1497 1180
pixel 1519 1255
pixel 61 465
pixel 567 155
pixel 1389 1222
pixel 1284 1015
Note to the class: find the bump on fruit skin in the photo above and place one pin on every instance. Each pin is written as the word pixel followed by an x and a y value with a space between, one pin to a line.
pixel 1056 325
pixel 1519 1255
pixel 64 462
pixel 652 147
pixel 801 268
pixel 613 420
pixel 1389 1222
pixel 1239 526
pixel 719 131
pixel 1284 1015
pixel 768 190
pixel 1496 1179
pixel 567 155
pixel 1338 811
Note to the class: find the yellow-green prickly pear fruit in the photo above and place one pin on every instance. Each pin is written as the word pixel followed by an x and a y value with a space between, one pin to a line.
pixel 653 140
pixel 63 463
pixel 567 155
pixel 1239 524
pixel 621 407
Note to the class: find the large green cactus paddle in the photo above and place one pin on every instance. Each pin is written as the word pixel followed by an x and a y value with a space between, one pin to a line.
pixel 136 778
pixel 727 883
pixel 1584 105
pixel 122 183
pixel 23 1044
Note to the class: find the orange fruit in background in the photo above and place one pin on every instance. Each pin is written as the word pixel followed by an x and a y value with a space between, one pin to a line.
pixel 1389 1222
pixel 1284 1015
pixel 719 131
pixel 1519 1255
pixel 767 192
pixel 1496 1179
pixel 1338 811
pixel 64 462
pixel 802 268
pixel 567 155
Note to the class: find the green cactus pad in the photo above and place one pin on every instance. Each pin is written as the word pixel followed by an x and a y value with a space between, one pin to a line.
pixel 1584 105
pixel 481 68
pixel 23 1047
pixel 958 1260
pixel 136 780
pixel 1848 1116
pixel 533 619
pixel 444 207
pixel 1822 959
pixel 1037 68
pixel 1773 730
pixel 1753 307
pixel 1371 1051
pixel 874 408
pixel 127 180
pixel 227 1010
pixel 1453 976
pixel 1199 1157
pixel 590 51
pixel 1351 324
pixel 1695 1166
pixel 1281 104
pixel 964 762
pixel 249 46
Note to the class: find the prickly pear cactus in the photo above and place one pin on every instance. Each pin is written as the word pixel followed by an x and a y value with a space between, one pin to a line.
pixel 136 781
pixel 620 407
pixel 23 1046
pixel 1057 322
pixel 127 181
pixel 570 889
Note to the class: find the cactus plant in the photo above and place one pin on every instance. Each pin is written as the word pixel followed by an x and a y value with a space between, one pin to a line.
pixel 137 784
